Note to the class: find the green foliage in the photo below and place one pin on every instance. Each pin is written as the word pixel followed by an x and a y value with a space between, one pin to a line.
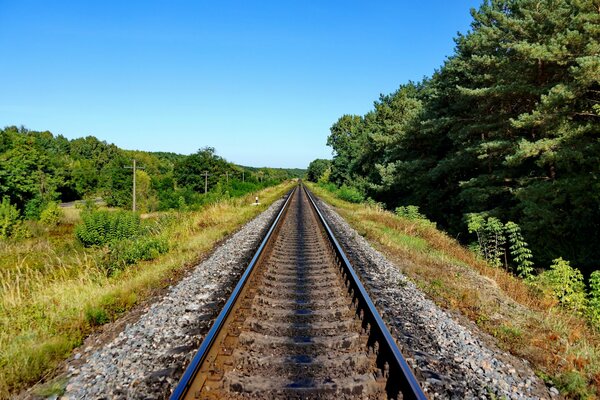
pixel 317 168
pixel 347 193
pixel 566 284
pixel 490 237
pixel 10 219
pixel 103 227
pixel 96 316
pixel 575 383
pixel 51 215
pixel 126 252
pixel 412 213
pixel 521 255
pixel 351 194
pixel 594 298
pixel 507 126
pixel 33 208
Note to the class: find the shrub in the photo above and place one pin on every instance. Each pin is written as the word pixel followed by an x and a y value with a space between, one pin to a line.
pixel 98 228
pixel 412 213
pixel 519 250
pixel 490 237
pixel 33 208
pixel 329 186
pixel 10 219
pixel 565 283
pixel 51 215
pixel 350 194
pixel 126 252
pixel 96 316
pixel 594 299
pixel 87 206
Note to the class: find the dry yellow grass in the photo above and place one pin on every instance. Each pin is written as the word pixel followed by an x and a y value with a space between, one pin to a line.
pixel 50 285
pixel 561 346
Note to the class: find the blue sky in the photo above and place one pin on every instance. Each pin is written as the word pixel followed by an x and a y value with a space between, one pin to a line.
pixel 261 81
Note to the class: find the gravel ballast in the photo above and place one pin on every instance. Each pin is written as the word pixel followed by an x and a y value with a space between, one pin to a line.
pixel 146 360
pixel 450 358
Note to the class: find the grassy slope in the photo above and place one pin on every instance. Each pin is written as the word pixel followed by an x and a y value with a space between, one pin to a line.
pixel 560 346
pixel 52 291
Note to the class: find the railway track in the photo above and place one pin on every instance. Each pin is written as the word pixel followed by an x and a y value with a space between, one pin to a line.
pixel 299 324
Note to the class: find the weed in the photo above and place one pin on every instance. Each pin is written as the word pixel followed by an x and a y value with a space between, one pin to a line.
pixel 96 316
pixel 51 215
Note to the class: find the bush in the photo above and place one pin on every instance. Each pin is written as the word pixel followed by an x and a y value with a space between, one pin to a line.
pixel 566 284
pixel 51 215
pixel 490 237
pixel 594 299
pixel 126 252
pixel 98 228
pixel 96 316
pixel 519 250
pixel 412 213
pixel 350 194
pixel 33 208
pixel 10 219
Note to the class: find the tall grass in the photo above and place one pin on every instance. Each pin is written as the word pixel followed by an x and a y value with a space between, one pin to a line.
pixel 54 291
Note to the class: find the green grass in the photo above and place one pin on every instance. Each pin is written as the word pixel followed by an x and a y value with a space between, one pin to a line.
pixel 54 292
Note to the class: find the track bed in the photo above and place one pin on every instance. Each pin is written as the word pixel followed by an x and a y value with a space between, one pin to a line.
pixel 294 329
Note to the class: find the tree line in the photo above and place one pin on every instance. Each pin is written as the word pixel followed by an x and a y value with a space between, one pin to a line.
pixel 507 128
pixel 37 168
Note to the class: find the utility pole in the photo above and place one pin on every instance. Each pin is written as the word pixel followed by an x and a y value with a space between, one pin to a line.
pixel 134 169
pixel 227 177
pixel 243 177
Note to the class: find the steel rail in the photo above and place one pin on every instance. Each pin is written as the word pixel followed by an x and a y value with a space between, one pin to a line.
pixel 389 357
pixel 192 369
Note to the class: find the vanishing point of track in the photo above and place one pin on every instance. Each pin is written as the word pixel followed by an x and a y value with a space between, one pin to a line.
pixel 299 324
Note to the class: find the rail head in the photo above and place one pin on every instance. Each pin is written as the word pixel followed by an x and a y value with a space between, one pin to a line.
pixel 408 384
pixel 191 371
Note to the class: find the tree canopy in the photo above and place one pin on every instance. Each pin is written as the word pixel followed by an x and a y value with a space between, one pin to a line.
pixel 508 127
pixel 38 167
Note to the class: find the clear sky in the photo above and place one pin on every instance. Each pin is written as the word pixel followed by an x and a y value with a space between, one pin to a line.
pixel 261 81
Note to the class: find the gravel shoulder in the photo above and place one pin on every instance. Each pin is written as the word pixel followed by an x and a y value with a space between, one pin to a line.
pixel 146 359
pixel 452 358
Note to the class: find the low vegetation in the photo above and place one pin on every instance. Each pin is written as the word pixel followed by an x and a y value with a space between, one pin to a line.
pixel 550 319
pixel 66 278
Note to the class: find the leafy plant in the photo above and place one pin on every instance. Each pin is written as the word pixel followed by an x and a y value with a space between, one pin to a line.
pixel 519 250
pixel 96 316
pixel 10 219
pixel 33 208
pixel 102 227
pixel 490 237
pixel 350 194
pixel 126 252
pixel 566 284
pixel 412 213
pixel 594 298
pixel 51 214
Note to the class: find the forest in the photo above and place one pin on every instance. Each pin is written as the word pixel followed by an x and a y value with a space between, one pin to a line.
pixel 506 131
pixel 38 168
